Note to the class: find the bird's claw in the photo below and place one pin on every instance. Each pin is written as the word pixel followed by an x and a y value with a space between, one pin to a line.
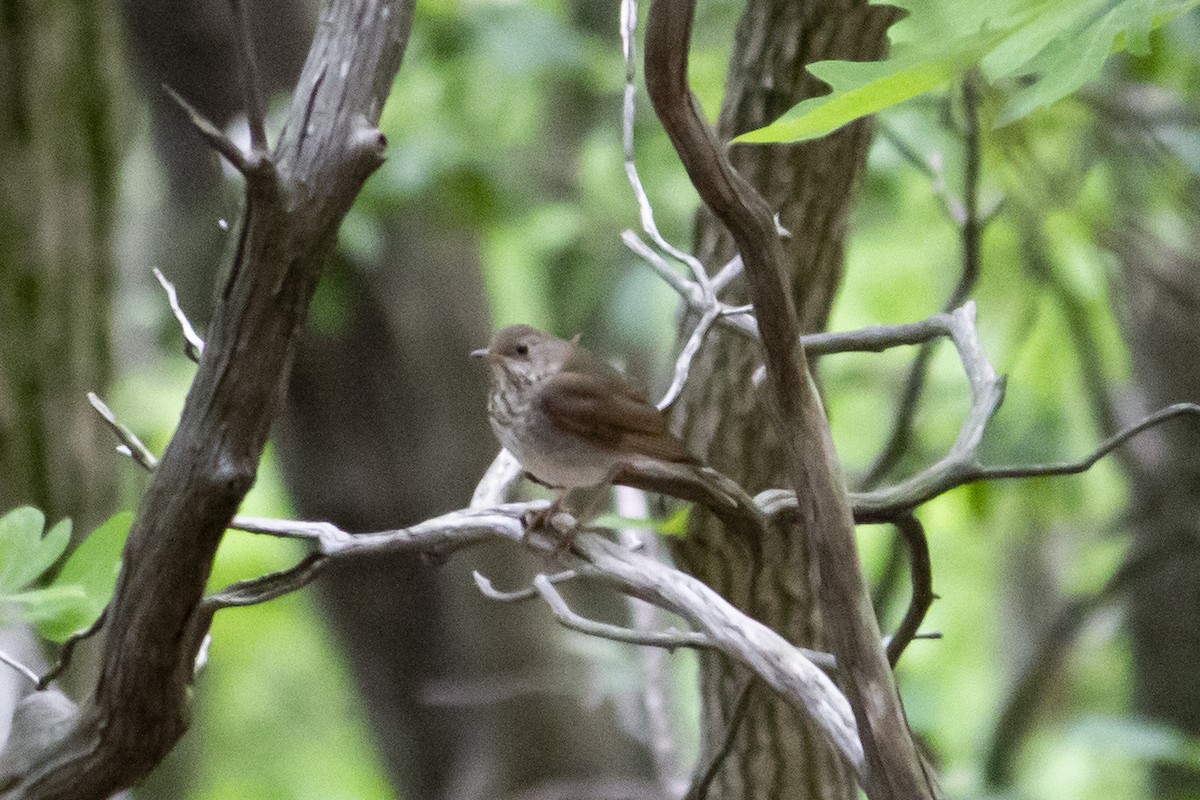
pixel 555 524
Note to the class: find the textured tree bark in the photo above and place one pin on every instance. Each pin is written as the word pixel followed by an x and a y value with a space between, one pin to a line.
pixel 1162 293
pixel 296 198
pixel 778 753
pixel 57 74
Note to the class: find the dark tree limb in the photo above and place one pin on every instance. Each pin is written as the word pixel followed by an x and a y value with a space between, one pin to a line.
pixel 296 198
pixel 894 768
pixel 913 533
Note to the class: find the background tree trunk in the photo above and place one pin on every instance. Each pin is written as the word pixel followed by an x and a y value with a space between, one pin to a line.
pixel 58 72
pixel 1162 295
pixel 777 754
pixel 58 68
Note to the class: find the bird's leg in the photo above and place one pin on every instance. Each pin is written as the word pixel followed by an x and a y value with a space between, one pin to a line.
pixel 555 522
pixel 544 518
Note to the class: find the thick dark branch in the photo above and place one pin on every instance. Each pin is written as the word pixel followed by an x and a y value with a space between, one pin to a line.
pixel 894 768
pixel 296 198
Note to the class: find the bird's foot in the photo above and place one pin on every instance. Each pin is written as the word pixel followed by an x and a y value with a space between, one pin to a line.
pixel 553 523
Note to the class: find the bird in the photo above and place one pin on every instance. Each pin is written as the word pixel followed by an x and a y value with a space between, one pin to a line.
pixel 573 421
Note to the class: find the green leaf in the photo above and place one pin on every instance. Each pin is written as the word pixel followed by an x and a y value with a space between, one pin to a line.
pixel 24 552
pixel 95 563
pixel 56 611
pixel 75 599
pixel 676 524
pixel 1055 46
pixel 860 88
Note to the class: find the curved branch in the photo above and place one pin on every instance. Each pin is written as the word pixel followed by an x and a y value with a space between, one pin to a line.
pixel 895 769
pixel 921 570
pixel 961 468
pixel 796 673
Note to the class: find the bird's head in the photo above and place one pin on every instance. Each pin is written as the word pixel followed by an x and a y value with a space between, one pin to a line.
pixel 524 352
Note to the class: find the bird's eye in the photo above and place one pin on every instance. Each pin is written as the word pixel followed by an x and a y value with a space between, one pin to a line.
pixel 522 349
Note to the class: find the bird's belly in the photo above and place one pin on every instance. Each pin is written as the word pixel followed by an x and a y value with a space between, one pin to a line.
pixel 558 459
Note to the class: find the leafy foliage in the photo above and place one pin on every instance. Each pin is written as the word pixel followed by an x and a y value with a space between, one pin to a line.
pixel 75 598
pixel 1035 51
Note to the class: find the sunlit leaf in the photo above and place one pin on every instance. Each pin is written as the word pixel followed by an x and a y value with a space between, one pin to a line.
pixel 1053 46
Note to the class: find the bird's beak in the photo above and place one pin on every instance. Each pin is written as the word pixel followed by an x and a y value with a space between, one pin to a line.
pixel 482 352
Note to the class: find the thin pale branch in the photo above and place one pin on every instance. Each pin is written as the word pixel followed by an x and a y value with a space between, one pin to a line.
pixel 133 446
pixel 25 671
pixel 629 13
pixel 683 364
pixel 794 672
pixel 966 217
pixel 193 344
pixel 962 468
pixel 489 590
pixel 668 640
pixel 498 482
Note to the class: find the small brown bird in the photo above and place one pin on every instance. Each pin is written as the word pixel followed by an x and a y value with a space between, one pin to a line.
pixel 570 419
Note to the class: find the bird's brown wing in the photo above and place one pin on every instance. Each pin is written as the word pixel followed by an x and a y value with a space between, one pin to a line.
pixel 602 407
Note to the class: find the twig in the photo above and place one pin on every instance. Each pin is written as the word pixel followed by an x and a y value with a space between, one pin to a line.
pixel 133 446
pixel 498 482
pixel 268 587
pixel 668 640
pixel 683 364
pixel 489 590
pixel 699 790
pixel 629 12
pixel 194 345
pixel 215 137
pixel 883 505
pixel 913 532
pixel 29 674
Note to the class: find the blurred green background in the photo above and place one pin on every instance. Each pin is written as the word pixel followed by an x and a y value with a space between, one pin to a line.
pixel 504 129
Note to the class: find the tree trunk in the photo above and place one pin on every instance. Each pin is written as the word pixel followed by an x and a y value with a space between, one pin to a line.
pixel 57 66
pixel 777 753
pixel 1162 295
